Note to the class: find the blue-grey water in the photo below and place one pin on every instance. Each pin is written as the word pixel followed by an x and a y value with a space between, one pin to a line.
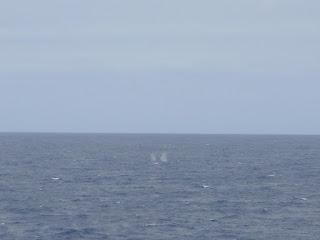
pixel 100 186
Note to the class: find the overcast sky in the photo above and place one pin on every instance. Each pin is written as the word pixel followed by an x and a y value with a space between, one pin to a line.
pixel 160 66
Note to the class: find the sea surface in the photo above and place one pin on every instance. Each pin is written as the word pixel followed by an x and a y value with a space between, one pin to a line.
pixel 152 187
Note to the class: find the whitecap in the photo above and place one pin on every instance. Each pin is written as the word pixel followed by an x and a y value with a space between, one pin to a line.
pixel 151 224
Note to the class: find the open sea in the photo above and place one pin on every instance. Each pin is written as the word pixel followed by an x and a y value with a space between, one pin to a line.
pixel 159 187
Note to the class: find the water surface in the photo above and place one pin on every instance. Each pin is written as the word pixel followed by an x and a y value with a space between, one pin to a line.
pixel 103 186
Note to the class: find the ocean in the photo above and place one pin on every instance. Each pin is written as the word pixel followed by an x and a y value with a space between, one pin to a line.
pixel 154 187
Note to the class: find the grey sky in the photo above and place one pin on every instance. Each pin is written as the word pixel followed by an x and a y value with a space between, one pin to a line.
pixel 207 66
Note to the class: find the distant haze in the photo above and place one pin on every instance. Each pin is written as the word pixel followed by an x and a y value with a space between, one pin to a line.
pixel 160 66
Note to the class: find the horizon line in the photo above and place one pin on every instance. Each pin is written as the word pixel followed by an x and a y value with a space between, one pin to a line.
pixel 156 133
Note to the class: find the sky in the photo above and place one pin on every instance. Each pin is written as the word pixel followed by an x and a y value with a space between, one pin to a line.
pixel 160 66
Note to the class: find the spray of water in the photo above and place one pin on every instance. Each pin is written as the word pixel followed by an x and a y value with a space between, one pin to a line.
pixel 164 157
pixel 153 157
